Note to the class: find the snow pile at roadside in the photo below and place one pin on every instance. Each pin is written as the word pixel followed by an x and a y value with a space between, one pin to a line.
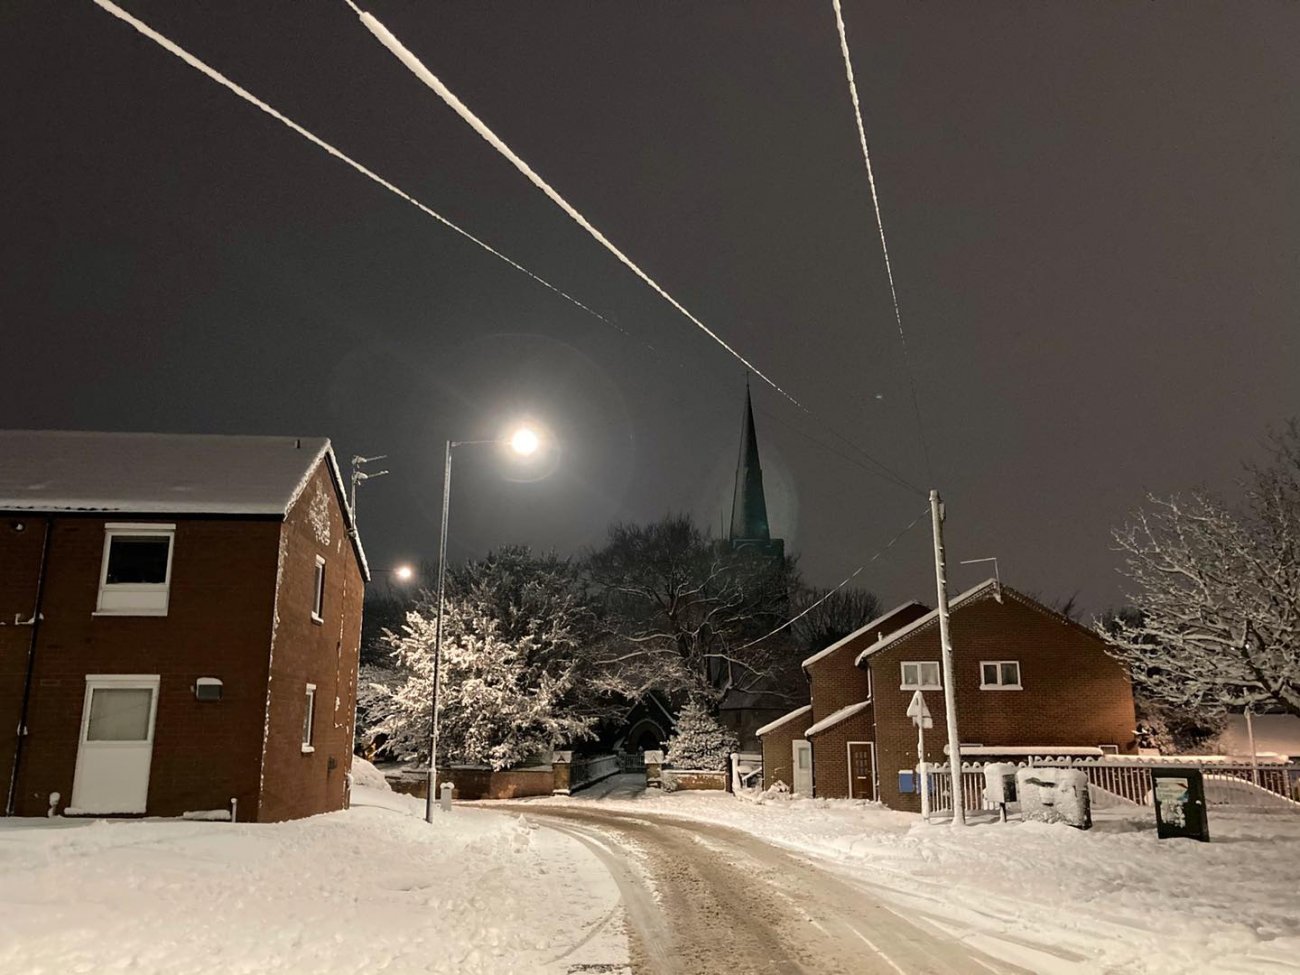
pixel 1110 898
pixel 371 889
pixel 366 775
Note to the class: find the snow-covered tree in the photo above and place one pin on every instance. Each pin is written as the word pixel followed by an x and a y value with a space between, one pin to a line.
pixel 684 614
pixel 699 741
pixel 496 708
pixel 1216 594
pixel 828 616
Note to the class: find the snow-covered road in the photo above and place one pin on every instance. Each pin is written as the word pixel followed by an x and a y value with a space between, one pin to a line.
pixel 703 899
pixel 1045 898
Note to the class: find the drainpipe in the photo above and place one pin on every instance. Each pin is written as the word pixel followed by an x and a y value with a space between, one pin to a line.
pixel 35 624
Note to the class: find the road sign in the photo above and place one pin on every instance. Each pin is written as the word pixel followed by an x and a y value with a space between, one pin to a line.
pixel 919 713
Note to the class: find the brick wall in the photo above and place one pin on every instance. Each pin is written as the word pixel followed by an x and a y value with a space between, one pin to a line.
pixel 830 755
pixel 778 753
pixel 1074 692
pixel 217 625
pixel 837 682
pixel 297 782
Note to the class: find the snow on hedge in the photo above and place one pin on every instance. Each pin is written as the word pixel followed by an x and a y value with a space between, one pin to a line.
pixel 368 890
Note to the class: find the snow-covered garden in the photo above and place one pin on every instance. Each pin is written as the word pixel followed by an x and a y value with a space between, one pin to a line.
pixel 371 889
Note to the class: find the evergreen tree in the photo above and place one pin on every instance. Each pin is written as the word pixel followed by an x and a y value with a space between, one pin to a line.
pixel 699 741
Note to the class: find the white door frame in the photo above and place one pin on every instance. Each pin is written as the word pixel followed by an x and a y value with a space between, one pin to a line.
pixel 875 779
pixel 95 682
pixel 794 765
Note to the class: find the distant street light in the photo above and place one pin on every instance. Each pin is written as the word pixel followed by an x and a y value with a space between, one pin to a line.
pixel 404 573
pixel 524 441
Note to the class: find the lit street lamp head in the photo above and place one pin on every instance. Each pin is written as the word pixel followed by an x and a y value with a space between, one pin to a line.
pixel 525 441
pixel 404 573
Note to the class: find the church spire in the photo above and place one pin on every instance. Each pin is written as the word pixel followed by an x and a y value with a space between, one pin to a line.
pixel 749 505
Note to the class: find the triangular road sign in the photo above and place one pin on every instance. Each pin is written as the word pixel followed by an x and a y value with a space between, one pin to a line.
pixel 919 712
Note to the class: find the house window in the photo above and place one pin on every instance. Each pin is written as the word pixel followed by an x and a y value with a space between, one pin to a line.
pixel 318 592
pixel 1000 675
pixel 136 571
pixel 921 675
pixel 308 719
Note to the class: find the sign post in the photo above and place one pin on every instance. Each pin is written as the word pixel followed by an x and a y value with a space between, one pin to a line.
pixel 920 715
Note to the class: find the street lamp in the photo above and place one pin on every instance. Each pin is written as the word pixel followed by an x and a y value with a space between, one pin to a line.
pixel 524 442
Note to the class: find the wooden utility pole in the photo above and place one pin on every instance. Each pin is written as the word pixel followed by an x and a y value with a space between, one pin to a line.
pixel 949 681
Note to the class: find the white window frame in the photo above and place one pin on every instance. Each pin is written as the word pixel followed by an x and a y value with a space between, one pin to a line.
pixel 318 591
pixel 920 684
pixel 135 598
pixel 998 685
pixel 1109 749
pixel 309 722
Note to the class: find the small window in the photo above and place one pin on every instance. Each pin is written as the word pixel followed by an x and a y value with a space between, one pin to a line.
pixel 308 719
pixel 135 574
pixel 318 592
pixel 1000 675
pixel 921 675
pixel 1109 749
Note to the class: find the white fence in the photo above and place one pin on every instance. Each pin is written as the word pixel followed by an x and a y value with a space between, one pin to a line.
pixel 1123 779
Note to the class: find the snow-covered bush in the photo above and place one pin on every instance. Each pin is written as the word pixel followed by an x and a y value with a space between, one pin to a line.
pixel 699 742
pixel 496 708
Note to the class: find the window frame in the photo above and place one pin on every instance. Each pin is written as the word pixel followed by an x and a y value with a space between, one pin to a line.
pixel 309 721
pixel 920 684
pixel 318 591
pixel 151 598
pixel 1019 685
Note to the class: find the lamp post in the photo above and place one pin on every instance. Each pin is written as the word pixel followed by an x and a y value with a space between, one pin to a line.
pixel 523 442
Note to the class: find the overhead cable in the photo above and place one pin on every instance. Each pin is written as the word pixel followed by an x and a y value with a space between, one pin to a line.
pixel 849 578
pixel 880 224
pixel 416 67
pixel 221 79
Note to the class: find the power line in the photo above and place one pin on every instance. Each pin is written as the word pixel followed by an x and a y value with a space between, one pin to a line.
pixel 221 79
pixel 884 472
pixel 880 224
pixel 849 578
pixel 417 68
pixel 421 72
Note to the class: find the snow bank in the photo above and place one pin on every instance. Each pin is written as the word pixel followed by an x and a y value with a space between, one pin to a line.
pixel 371 889
pixel 364 774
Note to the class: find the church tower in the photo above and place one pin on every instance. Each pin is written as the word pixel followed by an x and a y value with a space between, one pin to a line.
pixel 749 527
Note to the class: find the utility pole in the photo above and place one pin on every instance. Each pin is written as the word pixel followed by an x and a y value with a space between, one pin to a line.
pixel 949 681
pixel 359 475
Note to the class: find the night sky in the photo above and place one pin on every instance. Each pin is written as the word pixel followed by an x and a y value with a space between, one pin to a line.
pixel 1092 211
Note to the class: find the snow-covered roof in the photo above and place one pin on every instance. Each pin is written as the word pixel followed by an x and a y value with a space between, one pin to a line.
pixel 875 624
pixel 1047 751
pixel 773 725
pixel 835 717
pixel 987 586
pixel 161 473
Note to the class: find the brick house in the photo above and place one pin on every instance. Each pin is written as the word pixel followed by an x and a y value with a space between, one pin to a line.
pixel 180 619
pixel 1029 681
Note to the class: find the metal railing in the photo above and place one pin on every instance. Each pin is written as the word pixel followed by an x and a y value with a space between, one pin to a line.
pixel 591 768
pixel 1232 784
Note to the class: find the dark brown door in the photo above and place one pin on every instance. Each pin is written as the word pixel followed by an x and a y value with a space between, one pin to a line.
pixel 862 770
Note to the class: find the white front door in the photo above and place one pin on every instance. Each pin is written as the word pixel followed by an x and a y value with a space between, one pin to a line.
pixel 116 747
pixel 803 780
